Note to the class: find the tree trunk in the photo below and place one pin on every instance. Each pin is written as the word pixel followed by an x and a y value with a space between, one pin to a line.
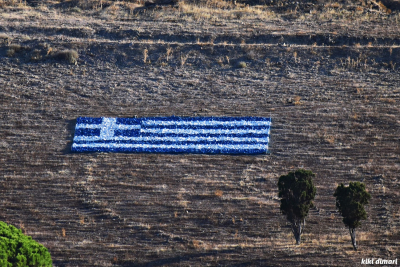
pixel 353 237
pixel 297 229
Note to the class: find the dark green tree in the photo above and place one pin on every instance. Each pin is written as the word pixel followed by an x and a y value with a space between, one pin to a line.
pixel 350 201
pixel 297 192
pixel 19 250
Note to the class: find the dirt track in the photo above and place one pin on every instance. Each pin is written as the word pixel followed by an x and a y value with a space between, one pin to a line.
pixel 332 92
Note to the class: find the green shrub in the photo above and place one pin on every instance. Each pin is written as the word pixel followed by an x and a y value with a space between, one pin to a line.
pixel 19 250
pixel 68 55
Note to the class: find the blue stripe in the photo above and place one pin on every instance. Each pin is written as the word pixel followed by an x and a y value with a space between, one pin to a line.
pixel 87 132
pixel 176 118
pixel 206 150
pixel 200 131
pixel 88 120
pixel 170 151
pixel 128 121
pixel 128 133
pixel 170 142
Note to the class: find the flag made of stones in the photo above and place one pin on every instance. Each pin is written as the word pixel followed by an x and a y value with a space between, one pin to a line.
pixel 209 135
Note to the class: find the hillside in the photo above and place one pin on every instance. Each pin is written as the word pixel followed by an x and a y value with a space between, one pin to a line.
pixel 327 76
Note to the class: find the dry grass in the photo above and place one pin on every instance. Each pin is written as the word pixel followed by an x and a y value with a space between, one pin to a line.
pixel 71 56
pixel 145 55
pixel 4 38
pixel 14 49
pixel 183 59
pixel 218 193
pixel 224 10
pixel 168 53
pixel 7 3
pixel 297 100
pixel 241 64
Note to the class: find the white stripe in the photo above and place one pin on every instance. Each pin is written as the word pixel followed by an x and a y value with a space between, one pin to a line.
pixel 200 146
pixel 174 139
pixel 203 131
pixel 207 123
pixel 116 126
pixel 88 126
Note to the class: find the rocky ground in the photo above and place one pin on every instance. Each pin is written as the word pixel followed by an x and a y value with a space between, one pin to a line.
pixel 329 79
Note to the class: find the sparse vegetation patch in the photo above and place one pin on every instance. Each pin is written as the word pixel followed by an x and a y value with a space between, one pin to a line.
pixel 71 56
pixel 14 49
pixel 241 64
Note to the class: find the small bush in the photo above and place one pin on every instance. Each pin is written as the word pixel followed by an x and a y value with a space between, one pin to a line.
pixel 76 9
pixel 13 49
pixel 242 65
pixel 17 249
pixel 4 38
pixel 36 55
pixel 71 56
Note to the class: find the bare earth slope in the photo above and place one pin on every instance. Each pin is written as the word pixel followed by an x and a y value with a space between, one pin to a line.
pixel 330 83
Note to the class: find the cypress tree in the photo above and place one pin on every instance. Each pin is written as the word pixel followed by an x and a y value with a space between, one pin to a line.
pixel 350 201
pixel 297 193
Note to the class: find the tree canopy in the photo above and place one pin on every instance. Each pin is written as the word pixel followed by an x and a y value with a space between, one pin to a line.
pixel 350 201
pixel 297 192
pixel 19 250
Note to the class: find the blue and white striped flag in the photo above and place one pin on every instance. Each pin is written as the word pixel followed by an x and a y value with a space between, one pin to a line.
pixel 225 135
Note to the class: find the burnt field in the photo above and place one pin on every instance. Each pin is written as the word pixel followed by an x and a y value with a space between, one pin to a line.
pixel 329 80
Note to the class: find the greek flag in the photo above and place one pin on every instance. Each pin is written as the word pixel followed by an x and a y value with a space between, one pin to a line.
pixel 209 135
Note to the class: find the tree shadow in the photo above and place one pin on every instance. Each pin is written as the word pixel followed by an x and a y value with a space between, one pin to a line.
pixel 70 137
pixel 176 259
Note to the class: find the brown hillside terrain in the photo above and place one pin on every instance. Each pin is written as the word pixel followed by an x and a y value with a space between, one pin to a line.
pixel 329 79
